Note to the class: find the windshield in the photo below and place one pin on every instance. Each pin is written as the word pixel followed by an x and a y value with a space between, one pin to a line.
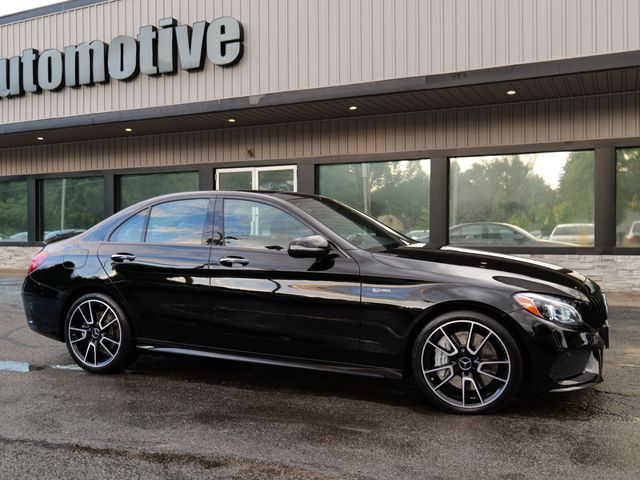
pixel 355 227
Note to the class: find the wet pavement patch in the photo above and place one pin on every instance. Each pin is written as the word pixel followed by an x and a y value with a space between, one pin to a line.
pixel 11 366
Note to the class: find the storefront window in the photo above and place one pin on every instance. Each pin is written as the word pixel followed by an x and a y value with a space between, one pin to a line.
pixel 628 197
pixel 396 192
pixel 531 200
pixel 13 211
pixel 135 188
pixel 71 205
pixel 281 178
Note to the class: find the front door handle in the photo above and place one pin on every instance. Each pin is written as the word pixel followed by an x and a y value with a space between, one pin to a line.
pixel 123 257
pixel 232 261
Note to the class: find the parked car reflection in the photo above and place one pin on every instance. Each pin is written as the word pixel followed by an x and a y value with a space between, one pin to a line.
pixel 632 239
pixel 421 236
pixel 496 234
pixel 574 233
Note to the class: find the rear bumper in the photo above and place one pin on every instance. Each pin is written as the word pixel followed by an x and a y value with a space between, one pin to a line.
pixel 559 358
pixel 41 307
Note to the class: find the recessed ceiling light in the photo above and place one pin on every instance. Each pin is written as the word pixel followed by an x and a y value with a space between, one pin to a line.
pixel 40 139
pixel 511 92
pixel 232 120
pixel 128 129
pixel 353 108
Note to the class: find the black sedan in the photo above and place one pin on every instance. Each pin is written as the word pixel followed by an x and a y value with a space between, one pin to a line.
pixel 299 280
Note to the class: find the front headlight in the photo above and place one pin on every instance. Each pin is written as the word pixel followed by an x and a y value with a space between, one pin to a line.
pixel 555 309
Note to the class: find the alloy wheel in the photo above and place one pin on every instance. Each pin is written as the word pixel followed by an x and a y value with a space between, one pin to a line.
pixel 95 333
pixel 466 364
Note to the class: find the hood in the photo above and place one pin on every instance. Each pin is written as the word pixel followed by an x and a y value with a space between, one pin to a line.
pixel 521 273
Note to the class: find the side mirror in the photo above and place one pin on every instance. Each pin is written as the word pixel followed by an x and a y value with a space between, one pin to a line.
pixel 313 246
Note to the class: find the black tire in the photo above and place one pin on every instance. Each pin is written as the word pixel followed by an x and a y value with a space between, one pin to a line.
pixel 98 334
pixel 462 377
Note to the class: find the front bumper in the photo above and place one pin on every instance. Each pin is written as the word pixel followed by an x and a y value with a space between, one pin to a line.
pixel 561 358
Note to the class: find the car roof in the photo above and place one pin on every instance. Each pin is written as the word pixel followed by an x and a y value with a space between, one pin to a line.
pixel 574 225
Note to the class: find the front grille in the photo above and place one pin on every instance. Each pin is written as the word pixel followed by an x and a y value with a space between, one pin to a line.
pixel 569 365
pixel 595 314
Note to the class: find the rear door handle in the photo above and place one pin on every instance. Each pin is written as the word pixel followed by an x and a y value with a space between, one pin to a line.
pixel 123 257
pixel 231 261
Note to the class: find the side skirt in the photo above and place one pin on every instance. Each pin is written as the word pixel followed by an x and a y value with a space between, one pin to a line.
pixel 360 370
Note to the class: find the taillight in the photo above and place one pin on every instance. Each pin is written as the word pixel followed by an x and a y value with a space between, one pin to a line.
pixel 37 261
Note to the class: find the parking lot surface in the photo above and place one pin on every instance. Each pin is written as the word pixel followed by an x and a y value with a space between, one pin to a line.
pixel 179 417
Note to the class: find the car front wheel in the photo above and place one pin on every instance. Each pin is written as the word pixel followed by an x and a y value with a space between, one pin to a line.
pixel 98 334
pixel 467 362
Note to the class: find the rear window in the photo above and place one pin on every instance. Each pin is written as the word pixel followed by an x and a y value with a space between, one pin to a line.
pixel 574 230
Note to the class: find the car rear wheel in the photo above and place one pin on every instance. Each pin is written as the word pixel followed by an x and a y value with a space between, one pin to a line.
pixel 98 334
pixel 466 362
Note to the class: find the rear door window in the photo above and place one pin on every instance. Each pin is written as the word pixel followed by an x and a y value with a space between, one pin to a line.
pixel 131 231
pixel 178 222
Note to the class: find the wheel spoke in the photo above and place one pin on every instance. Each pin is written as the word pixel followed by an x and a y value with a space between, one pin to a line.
pixel 453 345
pixel 469 337
pixel 91 313
pixel 104 314
pixel 490 375
pixel 469 379
pixel 111 340
pixel 441 349
pixel 84 337
pixel 484 340
pixel 114 320
pixel 87 322
pixel 106 349
pixel 437 369
pixel 445 380
pixel 86 355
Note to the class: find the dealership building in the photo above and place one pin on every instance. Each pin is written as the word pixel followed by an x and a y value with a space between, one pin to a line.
pixel 506 125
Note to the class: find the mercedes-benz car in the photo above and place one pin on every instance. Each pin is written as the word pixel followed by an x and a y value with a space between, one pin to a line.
pixel 304 281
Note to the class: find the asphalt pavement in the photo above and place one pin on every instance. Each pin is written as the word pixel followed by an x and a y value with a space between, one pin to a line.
pixel 180 417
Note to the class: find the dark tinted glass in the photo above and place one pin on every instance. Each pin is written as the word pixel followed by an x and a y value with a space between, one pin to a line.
pixel 396 192
pixel 358 229
pixel 131 231
pixel 71 205
pixel 235 180
pixel 530 194
pixel 181 221
pixel 13 211
pixel 628 197
pixel 135 188
pixel 250 224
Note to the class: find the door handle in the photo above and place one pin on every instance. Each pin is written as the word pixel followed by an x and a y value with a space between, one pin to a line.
pixel 123 257
pixel 231 261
